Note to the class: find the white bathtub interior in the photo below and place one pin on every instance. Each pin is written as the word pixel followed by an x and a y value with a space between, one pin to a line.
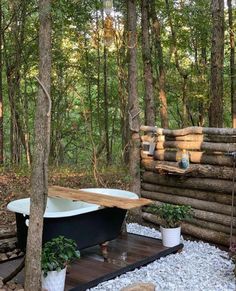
pixel 113 192
pixel 58 207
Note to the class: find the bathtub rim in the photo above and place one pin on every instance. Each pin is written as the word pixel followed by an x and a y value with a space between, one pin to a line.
pixel 23 209
pixel 17 207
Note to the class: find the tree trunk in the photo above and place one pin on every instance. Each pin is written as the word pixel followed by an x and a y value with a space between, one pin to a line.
pixel 189 130
pixel 106 117
pixel 98 73
pixel 13 63
pixel 195 203
pixel 192 193
pixel 134 125
pixel 217 218
pixel 211 225
pixel 1 92
pixel 206 184
pixel 214 225
pixel 191 145
pixel 195 170
pixel 122 90
pixel 183 74
pixel 39 176
pixel 232 63
pixel 217 63
pixel 195 231
pixel 194 157
pixel 147 66
pixel 156 28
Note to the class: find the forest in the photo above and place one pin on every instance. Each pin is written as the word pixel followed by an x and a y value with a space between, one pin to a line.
pixel 185 74
pixel 81 80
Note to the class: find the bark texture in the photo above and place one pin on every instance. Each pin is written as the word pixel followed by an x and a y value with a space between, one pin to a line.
pixel 196 170
pixel 217 62
pixel 232 63
pixel 196 231
pixel 134 155
pixel 147 66
pixel 206 184
pixel 1 93
pixel 192 193
pixel 156 28
pixel 39 176
pixel 189 130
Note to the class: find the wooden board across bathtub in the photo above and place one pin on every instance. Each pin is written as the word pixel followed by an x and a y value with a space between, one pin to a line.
pixel 95 198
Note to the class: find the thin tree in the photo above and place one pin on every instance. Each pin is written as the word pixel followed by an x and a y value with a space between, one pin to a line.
pixel 133 104
pixel 147 66
pixel 105 93
pixel 182 72
pixel 156 28
pixel 1 97
pixel 217 63
pixel 39 176
pixel 232 64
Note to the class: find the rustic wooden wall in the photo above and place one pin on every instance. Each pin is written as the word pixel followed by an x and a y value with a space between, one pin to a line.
pixel 206 185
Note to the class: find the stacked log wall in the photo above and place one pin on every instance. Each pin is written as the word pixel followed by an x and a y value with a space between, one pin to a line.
pixel 206 185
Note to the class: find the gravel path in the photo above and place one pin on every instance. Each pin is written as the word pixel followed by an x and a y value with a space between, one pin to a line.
pixel 199 267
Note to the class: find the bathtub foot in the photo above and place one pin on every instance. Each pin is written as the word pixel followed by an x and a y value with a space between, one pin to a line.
pixel 104 249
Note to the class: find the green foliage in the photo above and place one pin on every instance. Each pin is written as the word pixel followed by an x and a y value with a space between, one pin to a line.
pixel 57 253
pixel 77 91
pixel 171 215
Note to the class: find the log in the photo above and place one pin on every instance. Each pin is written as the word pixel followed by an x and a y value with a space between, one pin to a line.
pixel 192 137
pixel 220 138
pixel 206 224
pixel 189 130
pixel 93 197
pixel 211 225
pixel 194 157
pixel 195 203
pixel 218 218
pixel 200 137
pixel 202 195
pixel 206 184
pixel 151 138
pixel 214 217
pixel 189 137
pixel 7 244
pixel 194 170
pixel 196 231
pixel 196 145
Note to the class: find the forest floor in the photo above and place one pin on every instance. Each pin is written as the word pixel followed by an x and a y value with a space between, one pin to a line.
pixel 16 184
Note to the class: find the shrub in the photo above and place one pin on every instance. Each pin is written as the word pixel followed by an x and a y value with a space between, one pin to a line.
pixel 58 253
pixel 171 215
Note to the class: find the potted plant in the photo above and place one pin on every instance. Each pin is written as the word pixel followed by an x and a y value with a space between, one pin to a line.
pixel 171 217
pixel 56 255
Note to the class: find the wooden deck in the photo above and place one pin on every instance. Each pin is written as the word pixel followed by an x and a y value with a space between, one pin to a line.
pixel 127 252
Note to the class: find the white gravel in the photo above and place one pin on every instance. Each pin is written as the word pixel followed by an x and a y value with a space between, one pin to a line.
pixel 199 267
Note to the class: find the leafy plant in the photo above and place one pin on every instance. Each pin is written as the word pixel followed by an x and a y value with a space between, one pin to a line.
pixel 171 215
pixel 57 253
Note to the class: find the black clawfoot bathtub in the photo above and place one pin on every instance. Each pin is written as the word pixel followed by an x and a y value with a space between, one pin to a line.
pixel 88 224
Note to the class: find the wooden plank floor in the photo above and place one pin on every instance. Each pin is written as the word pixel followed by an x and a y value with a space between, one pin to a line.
pixel 125 253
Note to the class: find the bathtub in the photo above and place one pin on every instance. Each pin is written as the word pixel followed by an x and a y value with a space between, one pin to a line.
pixel 88 224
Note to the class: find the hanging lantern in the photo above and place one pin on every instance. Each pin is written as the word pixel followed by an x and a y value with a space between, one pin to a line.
pixel 108 6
